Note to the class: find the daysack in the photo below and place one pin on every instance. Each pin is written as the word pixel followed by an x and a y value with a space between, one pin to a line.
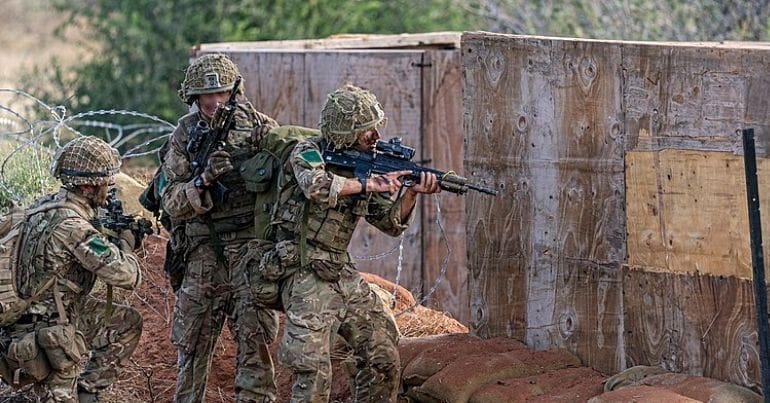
pixel 12 226
pixel 262 172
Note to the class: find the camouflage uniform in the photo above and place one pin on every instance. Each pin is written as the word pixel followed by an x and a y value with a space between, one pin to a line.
pixel 213 288
pixel 322 292
pixel 62 253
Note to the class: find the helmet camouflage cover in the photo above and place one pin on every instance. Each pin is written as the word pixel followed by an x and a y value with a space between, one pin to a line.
pixel 208 74
pixel 85 160
pixel 347 112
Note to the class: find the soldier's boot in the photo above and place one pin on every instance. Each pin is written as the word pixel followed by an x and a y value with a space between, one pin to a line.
pixel 85 396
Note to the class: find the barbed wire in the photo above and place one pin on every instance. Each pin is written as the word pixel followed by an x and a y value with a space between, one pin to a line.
pixel 47 135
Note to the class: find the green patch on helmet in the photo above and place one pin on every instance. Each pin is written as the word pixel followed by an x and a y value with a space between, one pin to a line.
pixel 98 246
pixel 312 157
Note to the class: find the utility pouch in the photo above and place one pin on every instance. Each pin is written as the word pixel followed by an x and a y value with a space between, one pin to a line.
pixel 280 261
pixel 265 293
pixel 27 359
pixel 64 345
pixel 258 171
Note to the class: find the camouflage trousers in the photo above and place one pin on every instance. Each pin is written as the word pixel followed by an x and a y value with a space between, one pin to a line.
pixel 316 310
pixel 111 344
pixel 210 293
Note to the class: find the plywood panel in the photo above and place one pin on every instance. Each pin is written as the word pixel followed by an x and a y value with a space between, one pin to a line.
pixel 590 314
pixel 396 79
pixel 274 84
pixel 697 324
pixel 687 211
pixel 694 97
pixel 551 111
pixel 444 253
pixel 498 138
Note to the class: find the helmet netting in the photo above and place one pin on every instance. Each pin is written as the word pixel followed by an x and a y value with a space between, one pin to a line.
pixel 85 160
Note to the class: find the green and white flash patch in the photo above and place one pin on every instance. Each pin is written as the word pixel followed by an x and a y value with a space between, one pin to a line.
pixel 312 157
pixel 97 245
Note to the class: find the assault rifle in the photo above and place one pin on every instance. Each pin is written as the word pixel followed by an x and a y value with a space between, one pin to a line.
pixel 393 156
pixel 206 138
pixel 115 221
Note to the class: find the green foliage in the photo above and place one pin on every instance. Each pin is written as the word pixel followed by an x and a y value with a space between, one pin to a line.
pixel 140 48
pixel 638 20
pixel 24 173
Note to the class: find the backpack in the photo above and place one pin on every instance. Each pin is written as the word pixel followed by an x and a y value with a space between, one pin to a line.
pixel 12 226
pixel 263 172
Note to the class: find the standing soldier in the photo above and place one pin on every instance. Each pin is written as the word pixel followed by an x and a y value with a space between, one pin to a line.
pixel 313 223
pixel 213 288
pixel 60 256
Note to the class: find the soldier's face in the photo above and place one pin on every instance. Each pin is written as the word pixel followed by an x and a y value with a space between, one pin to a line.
pixel 367 140
pixel 100 193
pixel 208 103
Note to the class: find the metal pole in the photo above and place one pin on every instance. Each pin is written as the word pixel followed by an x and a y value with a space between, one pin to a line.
pixel 757 258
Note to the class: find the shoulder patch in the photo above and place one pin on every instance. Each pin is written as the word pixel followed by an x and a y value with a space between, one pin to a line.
pixel 312 157
pixel 97 245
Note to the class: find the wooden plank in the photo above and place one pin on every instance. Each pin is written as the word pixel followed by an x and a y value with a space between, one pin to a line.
pixel 701 325
pixel 441 40
pixel 687 211
pixel 395 78
pixel 444 256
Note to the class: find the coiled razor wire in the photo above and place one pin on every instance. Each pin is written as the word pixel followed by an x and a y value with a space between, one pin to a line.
pixel 157 132
pixel 32 133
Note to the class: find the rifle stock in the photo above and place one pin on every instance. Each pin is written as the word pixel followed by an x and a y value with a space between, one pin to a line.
pixel 393 156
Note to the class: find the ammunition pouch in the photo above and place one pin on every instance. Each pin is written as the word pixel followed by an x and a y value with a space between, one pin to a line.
pixel 27 360
pixel 266 293
pixel 64 345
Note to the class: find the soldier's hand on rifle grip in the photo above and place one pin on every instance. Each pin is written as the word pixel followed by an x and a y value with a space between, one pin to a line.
pixel 127 240
pixel 218 164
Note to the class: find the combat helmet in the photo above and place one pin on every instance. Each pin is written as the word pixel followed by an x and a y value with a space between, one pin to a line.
pixel 86 160
pixel 348 111
pixel 208 74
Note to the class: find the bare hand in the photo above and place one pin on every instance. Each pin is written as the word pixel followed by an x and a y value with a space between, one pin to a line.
pixel 428 184
pixel 388 182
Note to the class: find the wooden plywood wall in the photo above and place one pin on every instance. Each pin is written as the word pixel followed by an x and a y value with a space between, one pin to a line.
pixel 420 91
pixel 623 211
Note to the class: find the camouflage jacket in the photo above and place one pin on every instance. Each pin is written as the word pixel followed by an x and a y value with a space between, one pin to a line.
pixel 62 242
pixel 330 218
pixel 181 199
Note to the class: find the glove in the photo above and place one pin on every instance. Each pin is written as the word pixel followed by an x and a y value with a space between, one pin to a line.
pixel 127 240
pixel 219 164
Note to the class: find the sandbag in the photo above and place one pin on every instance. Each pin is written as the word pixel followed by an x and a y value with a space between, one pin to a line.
pixel 563 385
pixel 457 382
pixel 434 359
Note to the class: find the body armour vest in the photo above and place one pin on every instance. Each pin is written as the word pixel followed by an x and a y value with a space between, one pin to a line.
pixel 236 212
pixel 328 228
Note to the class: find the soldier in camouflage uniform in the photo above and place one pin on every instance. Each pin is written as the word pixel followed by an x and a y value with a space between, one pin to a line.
pixel 60 257
pixel 213 288
pixel 322 292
